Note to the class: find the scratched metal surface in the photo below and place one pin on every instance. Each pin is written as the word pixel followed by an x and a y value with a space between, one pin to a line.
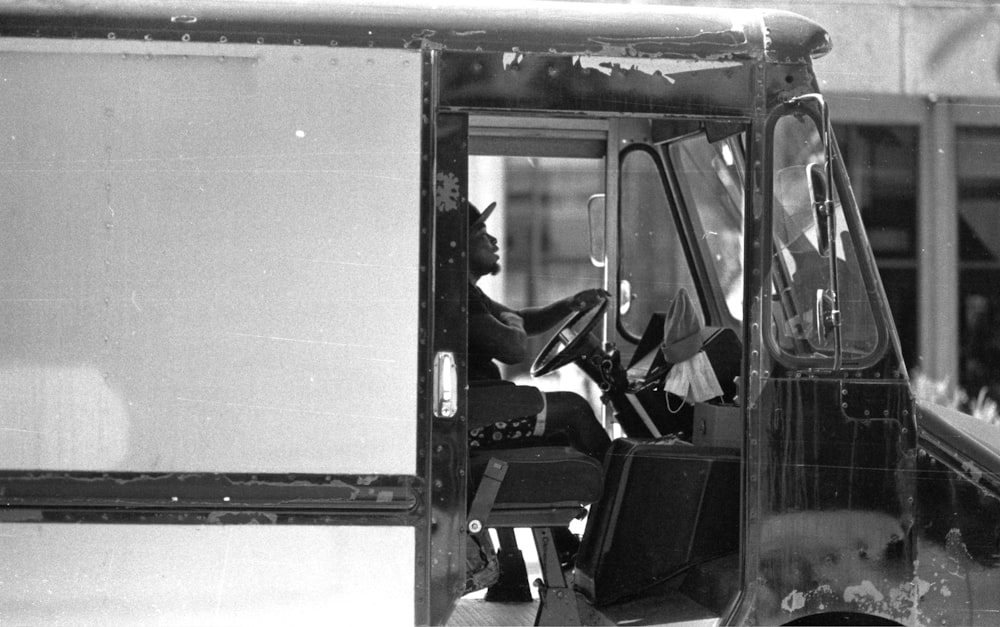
pixel 557 27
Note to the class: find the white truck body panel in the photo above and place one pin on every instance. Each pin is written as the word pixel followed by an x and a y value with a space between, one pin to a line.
pixel 177 221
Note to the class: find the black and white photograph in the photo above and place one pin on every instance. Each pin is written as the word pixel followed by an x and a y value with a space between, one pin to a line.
pixel 678 313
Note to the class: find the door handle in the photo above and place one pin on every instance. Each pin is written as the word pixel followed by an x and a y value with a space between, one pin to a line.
pixel 445 385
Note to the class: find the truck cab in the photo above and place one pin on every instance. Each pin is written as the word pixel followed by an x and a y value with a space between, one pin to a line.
pixel 235 351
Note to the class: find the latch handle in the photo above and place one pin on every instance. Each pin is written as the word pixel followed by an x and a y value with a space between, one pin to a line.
pixel 445 385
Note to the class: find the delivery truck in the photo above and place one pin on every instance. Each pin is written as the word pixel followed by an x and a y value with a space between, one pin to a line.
pixel 234 365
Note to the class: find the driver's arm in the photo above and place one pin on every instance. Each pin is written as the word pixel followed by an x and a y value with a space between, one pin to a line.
pixel 502 332
pixel 541 319
pixel 501 335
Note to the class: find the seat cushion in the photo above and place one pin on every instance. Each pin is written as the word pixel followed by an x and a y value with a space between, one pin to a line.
pixel 541 476
pixel 502 400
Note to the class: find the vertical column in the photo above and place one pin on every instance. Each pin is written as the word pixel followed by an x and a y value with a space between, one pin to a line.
pixel 611 181
pixel 488 183
pixel 449 454
pixel 937 262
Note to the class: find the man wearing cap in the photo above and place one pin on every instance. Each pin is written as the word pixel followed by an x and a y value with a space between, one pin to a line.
pixel 497 332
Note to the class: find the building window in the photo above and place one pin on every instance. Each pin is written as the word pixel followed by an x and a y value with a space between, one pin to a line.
pixel 978 165
pixel 883 163
pixel 546 248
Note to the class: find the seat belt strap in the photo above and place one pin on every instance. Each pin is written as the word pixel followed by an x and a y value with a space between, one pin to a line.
pixel 486 494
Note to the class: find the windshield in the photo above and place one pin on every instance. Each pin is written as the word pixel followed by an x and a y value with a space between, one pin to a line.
pixel 803 292
pixel 711 179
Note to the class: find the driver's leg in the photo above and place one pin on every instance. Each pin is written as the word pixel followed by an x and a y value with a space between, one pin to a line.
pixel 567 418
pixel 569 415
pixel 522 431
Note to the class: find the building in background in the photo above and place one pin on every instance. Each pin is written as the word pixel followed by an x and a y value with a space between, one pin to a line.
pixel 914 87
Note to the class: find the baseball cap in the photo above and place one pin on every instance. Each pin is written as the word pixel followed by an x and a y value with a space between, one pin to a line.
pixel 477 217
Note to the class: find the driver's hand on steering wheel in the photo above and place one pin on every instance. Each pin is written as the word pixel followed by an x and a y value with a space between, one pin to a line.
pixel 587 298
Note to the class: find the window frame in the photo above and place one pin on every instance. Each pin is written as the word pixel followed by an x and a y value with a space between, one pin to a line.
pixel 862 252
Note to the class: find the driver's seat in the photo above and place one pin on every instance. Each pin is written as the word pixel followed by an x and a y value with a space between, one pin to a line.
pixel 544 487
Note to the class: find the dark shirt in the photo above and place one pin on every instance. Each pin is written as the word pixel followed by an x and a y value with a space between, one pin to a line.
pixel 481 365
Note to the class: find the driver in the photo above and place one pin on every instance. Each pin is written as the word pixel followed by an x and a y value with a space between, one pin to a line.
pixel 497 332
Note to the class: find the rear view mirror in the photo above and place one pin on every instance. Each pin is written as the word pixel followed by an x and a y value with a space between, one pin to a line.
pixel 596 213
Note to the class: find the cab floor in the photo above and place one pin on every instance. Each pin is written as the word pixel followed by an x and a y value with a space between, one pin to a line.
pixel 479 612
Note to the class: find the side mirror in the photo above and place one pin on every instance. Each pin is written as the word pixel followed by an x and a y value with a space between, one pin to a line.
pixel 596 214
pixel 827 315
pixel 822 206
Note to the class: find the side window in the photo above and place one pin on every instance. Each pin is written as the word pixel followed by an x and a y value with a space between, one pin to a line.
pixel 653 264
pixel 802 277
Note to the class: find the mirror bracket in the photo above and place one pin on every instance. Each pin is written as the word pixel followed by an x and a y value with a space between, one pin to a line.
pixel 827 313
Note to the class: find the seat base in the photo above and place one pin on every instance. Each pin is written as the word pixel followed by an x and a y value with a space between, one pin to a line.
pixel 542 487
pixel 557 604
pixel 513 584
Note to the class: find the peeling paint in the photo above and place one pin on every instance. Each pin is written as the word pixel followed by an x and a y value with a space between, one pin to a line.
pixel 834 561
pixel 596 83
pixel 973 471
pixel 724 42
pixel 448 192
pixel 653 67
pixel 865 592
pixel 956 549
pixel 242 518
pixel 793 602
pixel 922 586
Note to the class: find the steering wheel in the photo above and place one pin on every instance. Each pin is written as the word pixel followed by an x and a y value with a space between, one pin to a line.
pixel 573 341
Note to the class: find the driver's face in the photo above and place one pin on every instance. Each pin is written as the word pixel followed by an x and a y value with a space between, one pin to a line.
pixel 483 257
